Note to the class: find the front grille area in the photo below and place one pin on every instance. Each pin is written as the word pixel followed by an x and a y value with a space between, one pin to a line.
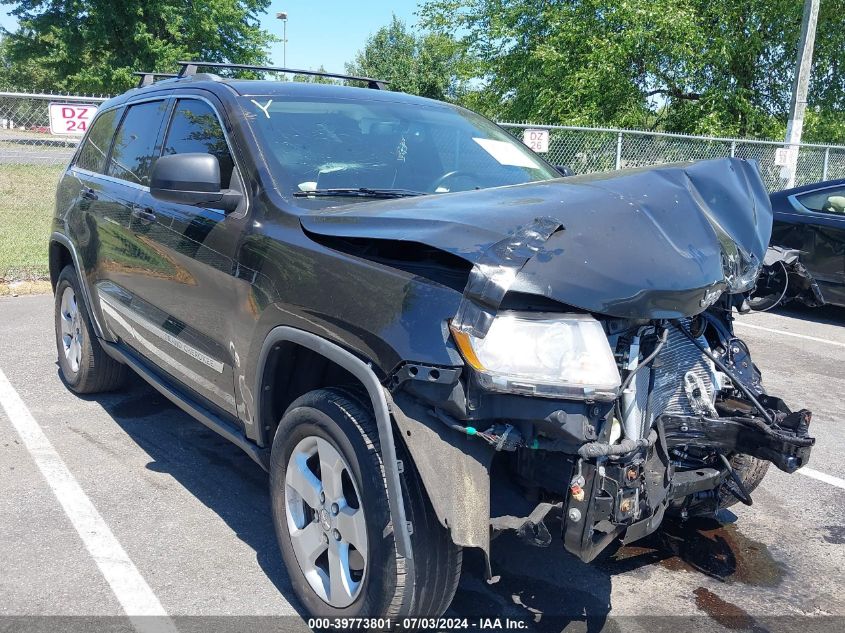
pixel 677 357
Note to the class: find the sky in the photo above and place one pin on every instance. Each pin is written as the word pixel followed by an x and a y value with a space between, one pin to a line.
pixel 319 32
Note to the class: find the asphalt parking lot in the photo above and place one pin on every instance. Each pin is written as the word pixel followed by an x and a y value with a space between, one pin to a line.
pixel 190 513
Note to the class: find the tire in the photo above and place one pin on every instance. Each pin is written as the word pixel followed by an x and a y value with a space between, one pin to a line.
pixel 84 365
pixel 771 288
pixel 340 420
pixel 763 304
pixel 751 472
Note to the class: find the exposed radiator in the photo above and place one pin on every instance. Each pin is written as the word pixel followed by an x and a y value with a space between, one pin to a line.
pixel 678 357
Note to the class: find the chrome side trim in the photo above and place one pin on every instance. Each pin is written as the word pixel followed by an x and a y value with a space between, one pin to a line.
pixel 166 359
pixel 111 179
pixel 191 351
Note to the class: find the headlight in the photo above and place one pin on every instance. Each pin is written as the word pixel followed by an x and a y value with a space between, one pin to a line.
pixel 543 354
pixel 740 270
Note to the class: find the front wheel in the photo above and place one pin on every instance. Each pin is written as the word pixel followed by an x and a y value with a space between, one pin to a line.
pixel 330 511
pixel 750 470
pixel 771 288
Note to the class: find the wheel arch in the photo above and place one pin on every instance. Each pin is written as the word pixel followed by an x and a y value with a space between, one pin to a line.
pixel 59 257
pixel 61 253
pixel 282 341
pixel 291 370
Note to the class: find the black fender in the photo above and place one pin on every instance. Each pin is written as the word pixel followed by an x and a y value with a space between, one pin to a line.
pixel 65 241
pixel 365 374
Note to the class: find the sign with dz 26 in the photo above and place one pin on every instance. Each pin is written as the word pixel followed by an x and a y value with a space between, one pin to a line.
pixel 71 118
pixel 538 140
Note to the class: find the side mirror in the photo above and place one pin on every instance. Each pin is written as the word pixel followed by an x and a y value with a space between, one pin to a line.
pixel 192 179
pixel 564 170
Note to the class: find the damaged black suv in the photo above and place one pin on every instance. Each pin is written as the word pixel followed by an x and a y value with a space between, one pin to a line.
pixel 420 330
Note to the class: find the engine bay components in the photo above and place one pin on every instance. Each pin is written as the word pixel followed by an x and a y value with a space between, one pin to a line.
pixel 688 398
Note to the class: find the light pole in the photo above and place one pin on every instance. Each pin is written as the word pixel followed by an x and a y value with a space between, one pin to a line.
pixel 283 16
pixel 804 65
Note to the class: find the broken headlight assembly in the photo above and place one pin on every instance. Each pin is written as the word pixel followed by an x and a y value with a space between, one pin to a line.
pixel 543 354
pixel 740 269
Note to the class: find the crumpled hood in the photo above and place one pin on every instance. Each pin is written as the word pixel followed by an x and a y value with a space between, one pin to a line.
pixel 657 242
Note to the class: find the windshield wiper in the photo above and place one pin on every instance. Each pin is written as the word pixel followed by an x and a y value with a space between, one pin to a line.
pixel 360 192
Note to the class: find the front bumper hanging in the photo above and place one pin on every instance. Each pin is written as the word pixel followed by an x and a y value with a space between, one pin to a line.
pixel 627 497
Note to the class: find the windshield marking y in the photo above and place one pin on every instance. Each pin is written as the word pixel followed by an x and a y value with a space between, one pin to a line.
pixel 264 107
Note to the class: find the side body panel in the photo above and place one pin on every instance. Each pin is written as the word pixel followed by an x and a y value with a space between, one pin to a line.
pixel 178 296
pixel 383 315
pixel 819 236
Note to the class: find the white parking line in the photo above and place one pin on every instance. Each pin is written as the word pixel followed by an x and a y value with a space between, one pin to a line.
pixel 130 588
pixel 820 476
pixel 793 334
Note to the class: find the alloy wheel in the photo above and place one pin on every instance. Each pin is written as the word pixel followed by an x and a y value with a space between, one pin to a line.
pixel 71 329
pixel 326 521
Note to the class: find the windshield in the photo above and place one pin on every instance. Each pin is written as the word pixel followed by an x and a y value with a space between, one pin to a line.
pixel 323 146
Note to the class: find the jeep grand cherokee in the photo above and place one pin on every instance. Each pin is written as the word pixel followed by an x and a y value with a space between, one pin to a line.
pixel 421 331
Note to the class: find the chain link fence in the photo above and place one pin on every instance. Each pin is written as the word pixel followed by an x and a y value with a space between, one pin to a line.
pixel 25 134
pixel 587 150
pixel 32 155
pixel 26 139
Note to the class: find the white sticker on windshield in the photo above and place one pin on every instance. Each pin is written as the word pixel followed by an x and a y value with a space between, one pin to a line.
pixel 505 153
pixel 264 107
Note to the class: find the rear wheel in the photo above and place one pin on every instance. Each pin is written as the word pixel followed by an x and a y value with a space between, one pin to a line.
pixel 332 520
pixel 85 366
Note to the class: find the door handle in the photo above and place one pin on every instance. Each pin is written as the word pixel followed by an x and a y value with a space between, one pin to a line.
pixel 89 194
pixel 143 213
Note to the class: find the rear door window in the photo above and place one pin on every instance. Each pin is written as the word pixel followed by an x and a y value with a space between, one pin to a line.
pixel 92 155
pixel 134 150
pixel 196 128
pixel 831 200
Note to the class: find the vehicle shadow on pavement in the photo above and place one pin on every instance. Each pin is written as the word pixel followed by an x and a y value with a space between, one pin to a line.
pixel 212 469
pixel 546 588
pixel 552 589
pixel 826 315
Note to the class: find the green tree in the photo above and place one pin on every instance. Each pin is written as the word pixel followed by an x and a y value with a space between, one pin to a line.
pixel 700 66
pixel 428 65
pixel 95 45
pixel 19 74
pixel 315 79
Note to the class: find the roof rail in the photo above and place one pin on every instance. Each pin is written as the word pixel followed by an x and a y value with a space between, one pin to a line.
pixel 148 78
pixel 190 68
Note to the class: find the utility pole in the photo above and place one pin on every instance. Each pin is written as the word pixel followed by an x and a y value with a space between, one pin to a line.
pixel 283 16
pixel 795 125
